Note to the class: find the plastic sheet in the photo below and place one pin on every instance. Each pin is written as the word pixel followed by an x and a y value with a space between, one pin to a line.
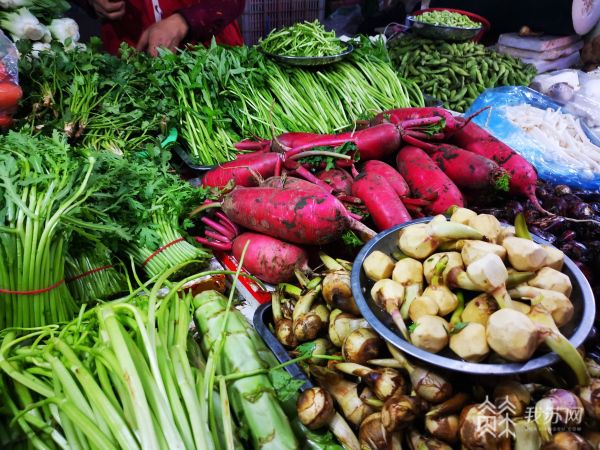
pixel 494 120
pixel 9 75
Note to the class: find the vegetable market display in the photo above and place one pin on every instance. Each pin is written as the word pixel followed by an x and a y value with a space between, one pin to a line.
pixel 308 39
pixel 90 202
pixel 456 73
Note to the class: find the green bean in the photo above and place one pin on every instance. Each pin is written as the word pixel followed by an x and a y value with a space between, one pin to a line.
pixel 447 18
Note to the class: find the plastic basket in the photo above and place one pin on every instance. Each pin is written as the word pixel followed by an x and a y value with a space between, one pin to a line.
pixel 261 16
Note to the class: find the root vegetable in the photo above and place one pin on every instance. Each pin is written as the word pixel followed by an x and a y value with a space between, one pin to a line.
pixel 373 435
pixel 430 333
pixel 344 392
pixel 420 240
pixel 557 406
pixel 422 306
pixel 399 411
pixel 470 343
pixel 409 273
pixel 307 324
pixel 444 297
pixel 270 259
pixel 315 408
pixel 473 250
pixel 337 292
pixel 472 436
pixel 488 226
pixel 526 435
pixel 380 198
pixel 523 177
pixel 590 397
pixel 479 309
pixel 554 257
pixel 361 345
pixel 462 215
pixel 513 393
pixel 454 260
pixel 296 216
pixel 488 271
pixel 392 176
pixel 552 279
pixel 444 428
pixel 420 442
pixel 566 440
pixel 246 170
pixel 389 295
pixel 524 254
pixel 554 302
pixel 427 181
pixel 284 329
pixel 512 335
pixel 341 324
pixel 384 382
pixel 339 179
pixel 377 265
pixel 469 170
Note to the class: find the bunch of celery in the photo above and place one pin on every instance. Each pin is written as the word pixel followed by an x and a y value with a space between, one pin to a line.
pixel 144 197
pixel 43 192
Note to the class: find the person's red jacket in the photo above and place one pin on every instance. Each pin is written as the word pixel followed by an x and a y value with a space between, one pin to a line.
pixel 206 18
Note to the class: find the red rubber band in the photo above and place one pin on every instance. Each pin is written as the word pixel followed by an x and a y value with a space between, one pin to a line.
pixel 89 272
pixel 37 291
pixel 164 247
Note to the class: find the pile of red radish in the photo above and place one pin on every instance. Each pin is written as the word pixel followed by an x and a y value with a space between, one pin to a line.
pixel 275 191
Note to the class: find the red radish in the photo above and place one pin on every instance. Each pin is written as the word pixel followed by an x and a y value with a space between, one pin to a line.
pixel 469 170
pixel 288 182
pixel 381 200
pixel 523 178
pixel 339 179
pixel 402 115
pixel 246 170
pixel 295 215
pixel 269 259
pixel 427 181
pixel 392 176
pixel 10 94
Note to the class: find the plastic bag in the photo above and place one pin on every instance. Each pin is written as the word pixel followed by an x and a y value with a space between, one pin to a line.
pixel 578 91
pixel 494 120
pixel 10 92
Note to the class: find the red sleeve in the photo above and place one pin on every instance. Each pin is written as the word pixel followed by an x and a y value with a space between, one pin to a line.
pixel 210 17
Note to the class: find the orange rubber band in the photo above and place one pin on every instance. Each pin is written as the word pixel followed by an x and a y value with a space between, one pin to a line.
pixel 37 291
pixel 89 272
pixel 164 247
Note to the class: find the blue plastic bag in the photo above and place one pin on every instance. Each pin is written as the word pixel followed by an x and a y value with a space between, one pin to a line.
pixel 495 121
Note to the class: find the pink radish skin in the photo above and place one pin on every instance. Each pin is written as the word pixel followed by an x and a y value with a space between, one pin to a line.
pixel 269 259
pixel 398 116
pixel 246 170
pixel 381 200
pixel 295 215
pixel 287 183
pixel 427 181
pixel 392 176
pixel 523 178
pixel 468 170
pixel 339 179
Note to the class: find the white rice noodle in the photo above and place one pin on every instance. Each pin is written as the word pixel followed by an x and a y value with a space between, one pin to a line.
pixel 559 135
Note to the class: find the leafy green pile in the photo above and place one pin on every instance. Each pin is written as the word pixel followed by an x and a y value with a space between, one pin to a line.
pixel 215 96
pixel 308 39
pixel 58 204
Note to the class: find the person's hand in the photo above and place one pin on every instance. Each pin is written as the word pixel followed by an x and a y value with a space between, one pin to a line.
pixel 167 33
pixel 109 9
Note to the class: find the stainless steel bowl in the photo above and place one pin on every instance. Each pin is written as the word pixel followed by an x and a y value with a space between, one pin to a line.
pixel 576 330
pixel 304 61
pixel 441 31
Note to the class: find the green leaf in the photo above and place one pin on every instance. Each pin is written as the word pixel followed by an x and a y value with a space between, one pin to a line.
pixel 306 349
pixel 458 327
pixel 412 327
pixel 285 385
pixel 351 239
